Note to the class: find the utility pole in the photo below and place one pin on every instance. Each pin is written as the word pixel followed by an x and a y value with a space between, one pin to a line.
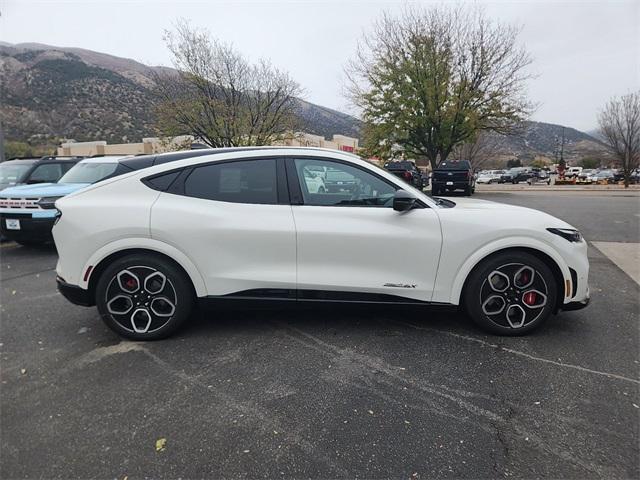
pixel 562 146
pixel 1 143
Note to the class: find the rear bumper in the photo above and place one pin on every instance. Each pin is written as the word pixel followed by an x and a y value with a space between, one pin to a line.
pixel 454 184
pixel 34 229
pixel 74 294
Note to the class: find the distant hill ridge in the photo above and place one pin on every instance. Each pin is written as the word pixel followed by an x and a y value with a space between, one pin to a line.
pixel 54 92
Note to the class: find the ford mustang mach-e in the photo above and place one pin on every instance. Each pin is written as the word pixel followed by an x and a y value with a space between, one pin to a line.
pixel 250 224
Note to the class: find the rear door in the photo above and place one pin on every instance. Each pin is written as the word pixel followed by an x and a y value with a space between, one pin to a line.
pixel 233 219
pixel 350 239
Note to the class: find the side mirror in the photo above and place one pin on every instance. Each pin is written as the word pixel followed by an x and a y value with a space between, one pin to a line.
pixel 403 201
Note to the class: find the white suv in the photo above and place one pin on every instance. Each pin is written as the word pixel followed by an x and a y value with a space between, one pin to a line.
pixel 252 224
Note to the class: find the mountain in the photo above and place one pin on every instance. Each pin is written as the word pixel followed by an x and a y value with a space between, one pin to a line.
pixel 52 92
pixel 47 93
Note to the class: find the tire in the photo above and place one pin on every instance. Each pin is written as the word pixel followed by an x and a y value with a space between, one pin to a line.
pixel 526 313
pixel 117 301
pixel 467 191
pixel 490 182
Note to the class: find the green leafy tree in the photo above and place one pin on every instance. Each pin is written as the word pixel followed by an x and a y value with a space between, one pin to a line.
pixel 514 163
pixel 590 162
pixel 431 79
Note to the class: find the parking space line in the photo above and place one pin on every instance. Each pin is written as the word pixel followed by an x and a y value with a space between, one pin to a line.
pixel 625 255
pixel 521 354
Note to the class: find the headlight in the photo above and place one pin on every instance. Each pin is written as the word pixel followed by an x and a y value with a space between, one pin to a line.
pixel 48 202
pixel 567 233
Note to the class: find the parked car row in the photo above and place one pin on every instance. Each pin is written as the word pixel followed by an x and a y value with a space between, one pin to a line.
pixel 27 208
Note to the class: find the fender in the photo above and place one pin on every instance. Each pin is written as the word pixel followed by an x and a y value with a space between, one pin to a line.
pixel 148 244
pixel 501 244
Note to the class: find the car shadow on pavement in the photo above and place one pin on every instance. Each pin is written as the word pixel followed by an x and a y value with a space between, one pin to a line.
pixel 353 318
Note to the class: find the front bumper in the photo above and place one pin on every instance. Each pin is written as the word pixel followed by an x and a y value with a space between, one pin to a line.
pixel 31 229
pixel 568 307
pixel 75 294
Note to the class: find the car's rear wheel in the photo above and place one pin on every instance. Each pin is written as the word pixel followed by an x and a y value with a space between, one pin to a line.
pixel 511 293
pixel 144 297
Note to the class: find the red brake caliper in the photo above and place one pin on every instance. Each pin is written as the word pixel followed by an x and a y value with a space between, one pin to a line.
pixel 131 283
pixel 530 298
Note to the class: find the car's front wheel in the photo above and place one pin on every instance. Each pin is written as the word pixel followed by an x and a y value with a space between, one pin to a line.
pixel 144 297
pixel 510 293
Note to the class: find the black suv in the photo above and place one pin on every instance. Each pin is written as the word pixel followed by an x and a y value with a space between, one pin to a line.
pixel 516 175
pixel 407 171
pixel 453 175
pixel 19 171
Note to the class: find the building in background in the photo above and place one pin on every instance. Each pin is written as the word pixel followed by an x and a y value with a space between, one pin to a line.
pixel 157 145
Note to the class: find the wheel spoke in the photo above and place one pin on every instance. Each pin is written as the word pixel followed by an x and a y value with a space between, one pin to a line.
pixel 498 281
pixel 141 315
pixel 494 305
pixel 155 283
pixel 516 316
pixel 128 281
pixel 162 307
pixel 523 278
pixel 534 299
pixel 120 305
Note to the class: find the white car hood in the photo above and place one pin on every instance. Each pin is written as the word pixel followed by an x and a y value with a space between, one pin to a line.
pixel 472 203
pixel 509 214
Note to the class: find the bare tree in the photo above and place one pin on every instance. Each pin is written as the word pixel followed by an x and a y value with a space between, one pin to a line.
pixel 620 127
pixel 479 151
pixel 430 79
pixel 218 96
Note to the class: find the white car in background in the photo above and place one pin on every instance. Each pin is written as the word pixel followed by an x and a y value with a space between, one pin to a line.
pixel 248 224
pixel 489 176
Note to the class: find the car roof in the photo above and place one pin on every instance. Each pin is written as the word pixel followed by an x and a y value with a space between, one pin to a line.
pixel 105 159
pixel 144 161
pixel 21 160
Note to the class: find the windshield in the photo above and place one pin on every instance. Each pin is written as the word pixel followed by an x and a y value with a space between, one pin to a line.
pixel 461 165
pixel 13 172
pixel 88 172
pixel 338 175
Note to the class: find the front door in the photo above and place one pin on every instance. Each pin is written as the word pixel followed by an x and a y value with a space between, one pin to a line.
pixel 349 238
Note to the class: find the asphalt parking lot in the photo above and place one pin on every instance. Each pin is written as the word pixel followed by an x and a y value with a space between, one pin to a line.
pixel 331 392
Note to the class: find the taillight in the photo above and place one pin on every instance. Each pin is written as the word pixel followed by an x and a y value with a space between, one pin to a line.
pixel 406 175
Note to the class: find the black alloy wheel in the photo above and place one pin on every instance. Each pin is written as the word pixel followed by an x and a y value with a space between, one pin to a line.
pixel 510 293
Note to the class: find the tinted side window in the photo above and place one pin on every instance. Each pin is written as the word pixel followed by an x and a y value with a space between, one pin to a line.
pixel 250 181
pixel 327 183
pixel 50 172
pixel 66 167
pixel 162 182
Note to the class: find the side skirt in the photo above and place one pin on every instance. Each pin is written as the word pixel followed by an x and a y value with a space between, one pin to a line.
pixel 285 297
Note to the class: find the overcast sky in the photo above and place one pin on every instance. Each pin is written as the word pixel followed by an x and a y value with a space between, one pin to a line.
pixel 584 52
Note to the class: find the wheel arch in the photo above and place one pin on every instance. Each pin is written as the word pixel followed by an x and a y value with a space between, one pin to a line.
pixel 550 258
pixel 103 257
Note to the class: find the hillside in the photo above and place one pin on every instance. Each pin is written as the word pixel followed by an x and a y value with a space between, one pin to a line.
pixel 49 92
